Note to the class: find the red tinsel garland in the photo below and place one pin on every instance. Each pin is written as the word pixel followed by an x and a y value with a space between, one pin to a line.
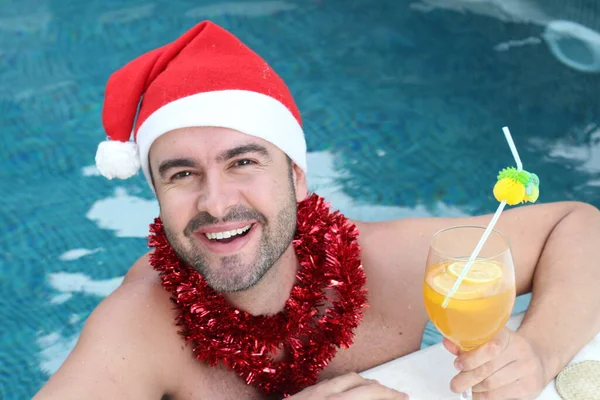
pixel 327 249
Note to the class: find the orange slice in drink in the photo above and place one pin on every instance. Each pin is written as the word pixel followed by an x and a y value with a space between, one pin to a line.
pixel 444 281
pixel 480 273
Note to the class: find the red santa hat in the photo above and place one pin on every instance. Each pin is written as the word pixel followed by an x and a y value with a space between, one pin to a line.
pixel 207 77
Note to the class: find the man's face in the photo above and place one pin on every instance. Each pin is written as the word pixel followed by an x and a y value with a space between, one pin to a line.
pixel 227 202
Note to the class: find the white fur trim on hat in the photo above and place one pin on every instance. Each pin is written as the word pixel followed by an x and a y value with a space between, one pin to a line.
pixel 115 159
pixel 249 112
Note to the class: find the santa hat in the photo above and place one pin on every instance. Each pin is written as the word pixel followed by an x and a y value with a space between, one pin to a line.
pixel 207 77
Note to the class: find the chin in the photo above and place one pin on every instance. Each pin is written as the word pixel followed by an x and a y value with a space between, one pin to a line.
pixel 229 275
pixel 231 284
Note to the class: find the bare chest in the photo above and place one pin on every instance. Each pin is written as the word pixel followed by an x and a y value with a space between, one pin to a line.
pixel 376 342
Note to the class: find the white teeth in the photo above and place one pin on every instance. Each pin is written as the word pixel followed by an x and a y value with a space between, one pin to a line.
pixel 227 234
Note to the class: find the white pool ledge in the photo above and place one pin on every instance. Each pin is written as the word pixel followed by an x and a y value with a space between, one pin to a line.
pixel 426 374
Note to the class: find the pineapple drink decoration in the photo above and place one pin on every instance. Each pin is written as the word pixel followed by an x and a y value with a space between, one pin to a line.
pixel 516 186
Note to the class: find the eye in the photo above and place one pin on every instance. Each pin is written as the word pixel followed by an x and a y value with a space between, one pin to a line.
pixel 181 175
pixel 243 162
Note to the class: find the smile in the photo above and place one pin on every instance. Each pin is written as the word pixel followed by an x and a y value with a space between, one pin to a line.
pixel 228 234
pixel 229 240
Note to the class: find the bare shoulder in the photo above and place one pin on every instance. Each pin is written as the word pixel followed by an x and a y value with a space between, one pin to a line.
pixel 396 248
pixel 141 270
pixel 394 255
pixel 127 348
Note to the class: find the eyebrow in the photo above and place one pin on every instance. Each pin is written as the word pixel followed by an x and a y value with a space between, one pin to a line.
pixel 174 163
pixel 243 149
pixel 224 156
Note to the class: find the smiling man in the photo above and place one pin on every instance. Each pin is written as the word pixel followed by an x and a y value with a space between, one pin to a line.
pixel 255 289
pixel 235 251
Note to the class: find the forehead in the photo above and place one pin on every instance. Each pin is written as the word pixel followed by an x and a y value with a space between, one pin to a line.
pixel 202 142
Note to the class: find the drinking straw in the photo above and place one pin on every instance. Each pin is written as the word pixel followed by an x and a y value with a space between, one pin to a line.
pixel 513 148
pixel 490 226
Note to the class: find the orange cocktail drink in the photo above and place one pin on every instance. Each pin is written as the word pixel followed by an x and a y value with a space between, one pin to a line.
pixel 480 307
pixel 484 300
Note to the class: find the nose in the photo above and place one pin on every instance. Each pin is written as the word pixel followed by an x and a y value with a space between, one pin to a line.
pixel 217 196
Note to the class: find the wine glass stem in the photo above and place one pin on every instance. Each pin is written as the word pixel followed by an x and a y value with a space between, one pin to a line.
pixel 466 395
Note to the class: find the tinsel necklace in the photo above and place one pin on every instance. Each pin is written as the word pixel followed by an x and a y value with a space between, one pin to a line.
pixel 329 255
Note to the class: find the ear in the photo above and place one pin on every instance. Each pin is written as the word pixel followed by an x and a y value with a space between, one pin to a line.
pixel 299 181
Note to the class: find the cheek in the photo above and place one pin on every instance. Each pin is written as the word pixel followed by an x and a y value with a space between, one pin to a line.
pixel 265 191
pixel 176 211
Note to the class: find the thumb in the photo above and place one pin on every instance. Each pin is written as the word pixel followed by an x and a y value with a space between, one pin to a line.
pixel 451 347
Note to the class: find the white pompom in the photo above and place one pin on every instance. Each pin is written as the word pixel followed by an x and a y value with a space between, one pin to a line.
pixel 116 159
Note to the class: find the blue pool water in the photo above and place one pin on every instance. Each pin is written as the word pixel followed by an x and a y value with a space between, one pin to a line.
pixel 403 103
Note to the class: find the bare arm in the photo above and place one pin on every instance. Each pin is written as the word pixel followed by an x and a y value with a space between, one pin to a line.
pixel 116 356
pixel 556 250
pixel 564 313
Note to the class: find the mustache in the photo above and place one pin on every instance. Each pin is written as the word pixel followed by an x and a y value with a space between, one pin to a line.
pixel 238 213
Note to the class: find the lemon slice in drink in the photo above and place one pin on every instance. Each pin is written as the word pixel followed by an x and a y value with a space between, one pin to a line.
pixel 481 272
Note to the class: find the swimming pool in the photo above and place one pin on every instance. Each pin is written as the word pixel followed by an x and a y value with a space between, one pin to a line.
pixel 403 104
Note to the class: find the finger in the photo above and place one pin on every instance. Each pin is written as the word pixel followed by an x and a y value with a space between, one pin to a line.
pixel 451 347
pixel 372 391
pixel 470 360
pixel 511 391
pixel 469 379
pixel 502 377
pixel 346 382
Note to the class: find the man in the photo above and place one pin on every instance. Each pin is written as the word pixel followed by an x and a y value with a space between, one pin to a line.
pixel 255 290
